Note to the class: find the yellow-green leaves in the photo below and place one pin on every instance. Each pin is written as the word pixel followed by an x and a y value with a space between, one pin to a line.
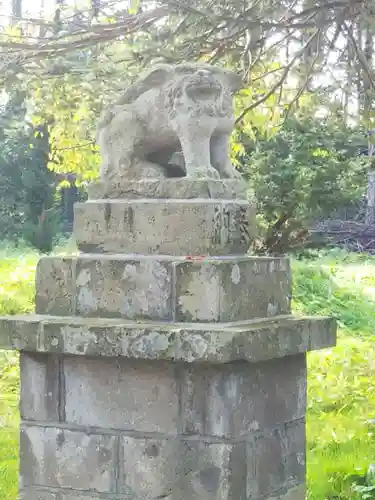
pixel 133 7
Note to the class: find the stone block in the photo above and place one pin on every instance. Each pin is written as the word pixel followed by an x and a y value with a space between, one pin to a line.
pixel 127 288
pixel 170 288
pixel 87 496
pixel 175 469
pixel 74 495
pixel 61 458
pixel 295 455
pixel 238 399
pixel 297 493
pixel 37 494
pixel 40 396
pixel 121 394
pixel 232 289
pixel 20 332
pixel 176 188
pixel 41 494
pixel 216 343
pixel 54 282
pixel 276 461
pixel 169 227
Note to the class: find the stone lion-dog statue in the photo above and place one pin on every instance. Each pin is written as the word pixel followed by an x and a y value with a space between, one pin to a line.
pixel 171 111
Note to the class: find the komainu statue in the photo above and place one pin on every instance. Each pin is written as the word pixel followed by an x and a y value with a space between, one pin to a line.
pixel 183 111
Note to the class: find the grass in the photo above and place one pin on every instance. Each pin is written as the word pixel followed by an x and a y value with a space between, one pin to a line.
pixel 9 419
pixel 17 269
pixel 341 385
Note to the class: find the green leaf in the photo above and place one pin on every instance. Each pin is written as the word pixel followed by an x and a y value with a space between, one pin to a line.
pixel 134 6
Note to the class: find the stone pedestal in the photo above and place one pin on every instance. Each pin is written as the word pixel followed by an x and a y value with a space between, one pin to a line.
pixel 163 363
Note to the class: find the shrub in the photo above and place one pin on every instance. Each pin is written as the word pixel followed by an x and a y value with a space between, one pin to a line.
pixel 302 173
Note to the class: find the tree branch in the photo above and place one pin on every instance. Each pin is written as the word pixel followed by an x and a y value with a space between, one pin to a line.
pixel 360 55
pixel 280 82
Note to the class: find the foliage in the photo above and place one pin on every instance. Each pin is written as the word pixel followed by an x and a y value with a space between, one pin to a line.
pixel 69 110
pixel 9 424
pixel 340 284
pixel 27 186
pixel 341 404
pixel 190 29
pixel 341 387
pixel 17 269
pixel 302 173
pixel 70 66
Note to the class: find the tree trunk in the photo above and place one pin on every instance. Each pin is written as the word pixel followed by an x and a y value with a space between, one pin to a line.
pixel 370 210
pixel 16 11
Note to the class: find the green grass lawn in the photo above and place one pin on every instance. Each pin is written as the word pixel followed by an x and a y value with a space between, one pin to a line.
pixel 17 269
pixel 341 388
pixel 341 382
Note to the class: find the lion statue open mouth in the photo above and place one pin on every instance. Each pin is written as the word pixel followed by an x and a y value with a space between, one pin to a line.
pixel 182 112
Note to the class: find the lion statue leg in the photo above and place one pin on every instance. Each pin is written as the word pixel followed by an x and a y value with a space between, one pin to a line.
pixel 118 150
pixel 220 156
pixel 195 145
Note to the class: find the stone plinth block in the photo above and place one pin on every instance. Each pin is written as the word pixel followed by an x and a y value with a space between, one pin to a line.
pixel 67 459
pixel 180 188
pixel 165 226
pixel 253 341
pixel 114 409
pixel 164 288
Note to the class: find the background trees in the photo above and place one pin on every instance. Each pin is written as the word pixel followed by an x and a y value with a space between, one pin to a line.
pixel 300 60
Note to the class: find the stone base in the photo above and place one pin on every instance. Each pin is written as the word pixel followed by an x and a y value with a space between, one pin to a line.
pixel 179 188
pixel 294 493
pixel 168 226
pixel 164 288
pixel 148 430
pixel 127 410
pixel 112 428
pixel 163 364
pixel 217 343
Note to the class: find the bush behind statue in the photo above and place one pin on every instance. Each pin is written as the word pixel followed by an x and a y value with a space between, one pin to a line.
pixel 303 173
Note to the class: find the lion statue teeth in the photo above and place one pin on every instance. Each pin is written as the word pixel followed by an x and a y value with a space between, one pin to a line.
pixel 169 112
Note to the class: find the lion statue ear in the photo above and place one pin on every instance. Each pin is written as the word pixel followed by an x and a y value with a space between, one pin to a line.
pixel 155 77
pixel 233 80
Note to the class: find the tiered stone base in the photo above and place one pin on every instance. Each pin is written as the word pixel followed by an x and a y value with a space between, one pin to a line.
pixel 113 409
pixel 165 364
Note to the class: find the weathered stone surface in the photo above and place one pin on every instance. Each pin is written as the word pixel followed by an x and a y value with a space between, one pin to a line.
pixel 40 377
pixel 238 399
pixel 61 458
pixel 173 469
pixel 37 494
pixel 179 188
pixel 65 494
pixel 295 456
pixel 297 493
pixel 171 288
pixel 170 227
pixel 251 341
pixel 232 289
pixel 88 496
pixel 128 288
pixel 169 108
pixel 55 286
pixel 119 394
pixel 276 460
pixel 21 332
